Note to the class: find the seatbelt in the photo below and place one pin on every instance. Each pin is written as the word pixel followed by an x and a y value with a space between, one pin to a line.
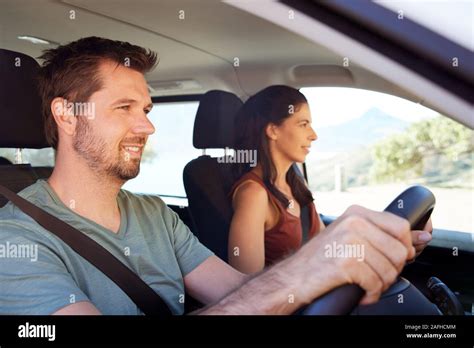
pixel 304 214
pixel 304 218
pixel 139 292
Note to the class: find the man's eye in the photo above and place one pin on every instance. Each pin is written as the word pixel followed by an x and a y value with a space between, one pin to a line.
pixel 147 111
pixel 124 107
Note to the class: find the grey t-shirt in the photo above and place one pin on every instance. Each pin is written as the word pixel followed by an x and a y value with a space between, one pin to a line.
pixel 40 274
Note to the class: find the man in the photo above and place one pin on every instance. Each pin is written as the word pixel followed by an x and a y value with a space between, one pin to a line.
pixel 99 147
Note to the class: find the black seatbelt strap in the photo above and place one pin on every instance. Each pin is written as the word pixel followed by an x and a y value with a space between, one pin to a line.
pixel 304 217
pixel 304 214
pixel 139 292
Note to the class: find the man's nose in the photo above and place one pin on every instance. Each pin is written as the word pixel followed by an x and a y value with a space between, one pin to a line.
pixel 143 125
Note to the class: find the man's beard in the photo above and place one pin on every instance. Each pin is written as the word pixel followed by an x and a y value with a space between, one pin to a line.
pixel 99 158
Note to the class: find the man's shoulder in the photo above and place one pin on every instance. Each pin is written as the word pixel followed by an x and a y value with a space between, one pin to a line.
pixel 15 224
pixel 31 193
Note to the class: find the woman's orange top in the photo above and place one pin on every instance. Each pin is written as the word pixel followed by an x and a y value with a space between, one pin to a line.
pixel 287 235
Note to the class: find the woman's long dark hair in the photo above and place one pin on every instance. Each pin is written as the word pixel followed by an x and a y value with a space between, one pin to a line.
pixel 273 104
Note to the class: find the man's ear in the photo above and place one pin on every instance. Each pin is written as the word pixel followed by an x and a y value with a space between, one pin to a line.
pixel 63 113
pixel 271 131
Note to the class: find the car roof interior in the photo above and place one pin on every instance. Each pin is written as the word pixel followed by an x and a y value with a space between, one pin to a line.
pixel 211 45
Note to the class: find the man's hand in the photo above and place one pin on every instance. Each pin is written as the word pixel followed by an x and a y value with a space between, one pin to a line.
pixel 384 242
pixel 422 238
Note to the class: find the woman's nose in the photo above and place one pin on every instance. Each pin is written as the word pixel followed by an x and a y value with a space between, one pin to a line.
pixel 313 136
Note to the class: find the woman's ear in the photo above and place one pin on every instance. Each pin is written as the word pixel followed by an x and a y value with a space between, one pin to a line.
pixel 271 131
pixel 63 113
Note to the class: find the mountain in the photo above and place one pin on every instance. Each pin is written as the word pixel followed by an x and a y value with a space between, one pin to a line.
pixel 373 125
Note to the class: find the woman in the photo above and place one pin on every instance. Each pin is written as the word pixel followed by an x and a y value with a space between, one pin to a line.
pixel 267 199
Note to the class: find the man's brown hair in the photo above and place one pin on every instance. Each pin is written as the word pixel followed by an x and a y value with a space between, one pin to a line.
pixel 72 72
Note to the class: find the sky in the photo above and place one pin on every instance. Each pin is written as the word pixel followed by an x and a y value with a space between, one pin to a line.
pixel 332 105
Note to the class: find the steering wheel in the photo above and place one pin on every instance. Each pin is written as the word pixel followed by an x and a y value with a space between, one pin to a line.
pixel 415 205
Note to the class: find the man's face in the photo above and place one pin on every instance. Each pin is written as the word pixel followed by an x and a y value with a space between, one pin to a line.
pixel 112 141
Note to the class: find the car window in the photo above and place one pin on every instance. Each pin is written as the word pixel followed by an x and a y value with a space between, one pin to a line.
pixel 371 146
pixel 168 151
pixel 35 157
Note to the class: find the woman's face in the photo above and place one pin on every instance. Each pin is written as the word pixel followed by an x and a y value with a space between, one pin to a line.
pixel 292 139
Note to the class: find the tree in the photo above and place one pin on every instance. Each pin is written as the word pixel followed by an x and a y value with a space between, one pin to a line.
pixel 402 155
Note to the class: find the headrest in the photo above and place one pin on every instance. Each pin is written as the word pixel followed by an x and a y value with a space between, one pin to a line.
pixel 214 123
pixel 20 104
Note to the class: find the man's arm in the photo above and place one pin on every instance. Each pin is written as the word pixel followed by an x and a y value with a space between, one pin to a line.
pixel 79 308
pixel 306 275
pixel 212 280
pixel 207 283
pixel 311 272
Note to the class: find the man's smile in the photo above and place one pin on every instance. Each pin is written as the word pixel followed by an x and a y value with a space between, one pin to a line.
pixel 133 149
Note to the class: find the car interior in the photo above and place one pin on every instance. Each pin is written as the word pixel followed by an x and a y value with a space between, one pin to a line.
pixel 218 55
